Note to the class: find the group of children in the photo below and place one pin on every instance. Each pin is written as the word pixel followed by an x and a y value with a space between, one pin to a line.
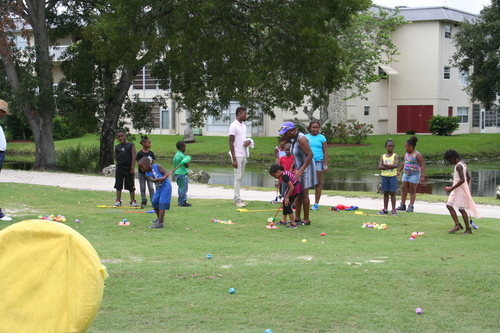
pixel 413 169
pixel 150 173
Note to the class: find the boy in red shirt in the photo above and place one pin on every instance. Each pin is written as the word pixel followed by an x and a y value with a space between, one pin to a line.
pixel 287 163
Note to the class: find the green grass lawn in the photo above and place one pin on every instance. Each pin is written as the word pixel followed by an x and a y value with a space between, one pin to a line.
pixel 351 280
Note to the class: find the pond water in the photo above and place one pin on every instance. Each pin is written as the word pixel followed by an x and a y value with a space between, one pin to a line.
pixel 485 177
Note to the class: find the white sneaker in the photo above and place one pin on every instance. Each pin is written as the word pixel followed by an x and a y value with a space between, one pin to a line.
pixel 241 204
pixel 5 218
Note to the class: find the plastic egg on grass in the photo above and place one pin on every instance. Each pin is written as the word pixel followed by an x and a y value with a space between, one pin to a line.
pixel 232 290
pixel 411 238
pixel 77 221
pixel 209 256
pixel 418 311
pixel 322 234
pixel 304 241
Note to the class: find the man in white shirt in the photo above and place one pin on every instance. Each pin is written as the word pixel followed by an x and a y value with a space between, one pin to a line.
pixel 4 110
pixel 238 144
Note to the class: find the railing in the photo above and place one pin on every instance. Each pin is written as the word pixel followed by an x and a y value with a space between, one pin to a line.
pixel 56 52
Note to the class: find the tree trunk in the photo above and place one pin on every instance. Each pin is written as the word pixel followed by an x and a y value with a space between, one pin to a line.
pixel 337 107
pixel 113 109
pixel 188 132
pixel 40 117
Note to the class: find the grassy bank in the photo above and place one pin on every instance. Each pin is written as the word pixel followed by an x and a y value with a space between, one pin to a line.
pixel 214 149
pixel 351 280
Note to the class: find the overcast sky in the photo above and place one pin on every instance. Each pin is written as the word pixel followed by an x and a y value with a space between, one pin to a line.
pixel 471 6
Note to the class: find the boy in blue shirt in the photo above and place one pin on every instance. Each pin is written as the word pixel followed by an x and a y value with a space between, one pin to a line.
pixel 163 195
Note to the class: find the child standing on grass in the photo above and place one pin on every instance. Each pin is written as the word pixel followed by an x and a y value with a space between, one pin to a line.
pixel 163 195
pixel 125 165
pixel 293 188
pixel 143 181
pixel 414 173
pixel 181 174
pixel 460 196
pixel 319 148
pixel 388 163
pixel 287 163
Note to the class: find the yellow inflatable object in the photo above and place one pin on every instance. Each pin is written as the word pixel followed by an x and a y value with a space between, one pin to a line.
pixel 51 279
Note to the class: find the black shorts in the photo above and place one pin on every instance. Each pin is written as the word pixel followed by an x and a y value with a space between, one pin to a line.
pixel 124 174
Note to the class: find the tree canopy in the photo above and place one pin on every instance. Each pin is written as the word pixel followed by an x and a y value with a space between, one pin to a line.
pixel 478 45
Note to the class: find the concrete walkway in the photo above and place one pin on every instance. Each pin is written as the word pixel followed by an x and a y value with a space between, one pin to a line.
pixel 202 191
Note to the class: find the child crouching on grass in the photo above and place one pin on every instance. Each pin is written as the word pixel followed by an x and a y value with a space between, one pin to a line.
pixel 293 188
pixel 163 195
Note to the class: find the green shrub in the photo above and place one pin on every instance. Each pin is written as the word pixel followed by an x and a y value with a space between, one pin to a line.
pixel 341 132
pixel 65 130
pixel 78 159
pixel 327 131
pixel 359 132
pixel 441 125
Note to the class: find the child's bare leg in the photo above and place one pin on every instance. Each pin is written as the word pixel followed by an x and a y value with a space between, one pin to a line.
pixel 393 200
pixel 292 219
pixel 404 191
pixel 306 204
pixel 454 216
pixel 161 215
pixel 386 199
pixel 413 192
pixel 465 216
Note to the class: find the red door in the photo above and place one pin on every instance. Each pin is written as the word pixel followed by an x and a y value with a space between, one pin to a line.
pixel 414 118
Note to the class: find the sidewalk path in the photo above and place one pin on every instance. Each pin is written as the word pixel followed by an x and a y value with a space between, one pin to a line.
pixel 202 191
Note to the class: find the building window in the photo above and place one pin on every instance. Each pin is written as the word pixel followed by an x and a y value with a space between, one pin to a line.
pixel 463 113
pixel 463 77
pixel 367 111
pixel 447 31
pixel 447 72
pixel 143 80
pixel 476 115
pixel 490 118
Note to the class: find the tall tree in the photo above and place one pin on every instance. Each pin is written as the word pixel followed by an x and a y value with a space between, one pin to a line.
pixel 368 43
pixel 30 76
pixel 478 45
pixel 264 54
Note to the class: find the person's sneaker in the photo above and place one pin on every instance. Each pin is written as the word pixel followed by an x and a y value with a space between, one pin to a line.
pixel 144 202
pixel 154 221
pixel 383 212
pixel 291 226
pixel 304 223
pixel 5 218
pixel 315 207
pixel 410 208
pixel 118 203
pixel 402 206
pixel 240 204
pixel 282 223
pixel 133 203
pixel 157 225
pixel 394 212
pixel 186 205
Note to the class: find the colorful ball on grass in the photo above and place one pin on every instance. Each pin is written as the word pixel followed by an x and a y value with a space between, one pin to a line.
pixel 232 290
pixel 209 256
pixel 304 241
pixel 322 234
pixel 268 331
pixel 418 311
pixel 77 221
pixel 125 220
pixel 411 238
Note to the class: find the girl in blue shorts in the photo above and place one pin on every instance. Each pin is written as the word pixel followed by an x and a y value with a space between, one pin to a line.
pixel 414 173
